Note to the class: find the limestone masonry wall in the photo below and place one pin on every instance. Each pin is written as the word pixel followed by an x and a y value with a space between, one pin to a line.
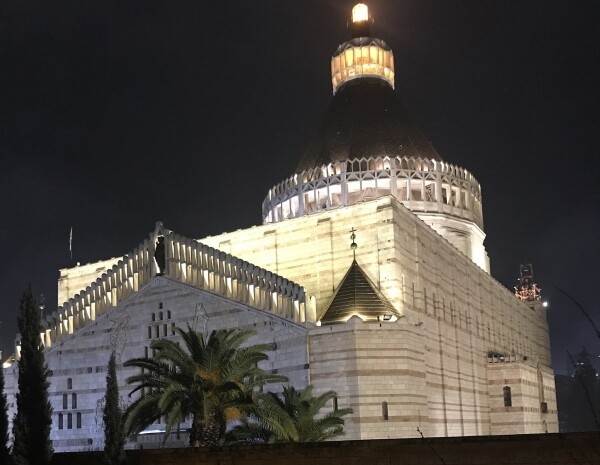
pixel 78 362
pixel 465 358
pixel 458 323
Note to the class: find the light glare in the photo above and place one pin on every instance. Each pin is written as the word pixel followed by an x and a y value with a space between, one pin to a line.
pixel 360 12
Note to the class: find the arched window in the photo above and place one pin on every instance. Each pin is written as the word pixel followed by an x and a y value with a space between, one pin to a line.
pixel 507 396
pixel 384 410
pixel 78 419
pixel 69 383
pixel 60 421
pixel 168 314
pixel 74 401
pixel 65 402
pixel 69 421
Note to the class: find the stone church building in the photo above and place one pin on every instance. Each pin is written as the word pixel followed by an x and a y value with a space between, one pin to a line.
pixel 369 273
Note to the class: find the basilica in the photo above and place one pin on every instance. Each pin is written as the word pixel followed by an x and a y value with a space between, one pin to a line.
pixel 369 273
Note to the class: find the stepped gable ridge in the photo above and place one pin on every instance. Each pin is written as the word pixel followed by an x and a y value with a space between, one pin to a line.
pixel 185 260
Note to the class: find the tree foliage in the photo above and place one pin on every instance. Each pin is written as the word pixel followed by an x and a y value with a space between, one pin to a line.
pixel 212 379
pixel 4 449
pixel 292 416
pixel 33 420
pixel 114 438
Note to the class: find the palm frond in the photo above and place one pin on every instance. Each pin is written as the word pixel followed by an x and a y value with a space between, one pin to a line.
pixel 212 378
pixel 289 416
pixel 141 413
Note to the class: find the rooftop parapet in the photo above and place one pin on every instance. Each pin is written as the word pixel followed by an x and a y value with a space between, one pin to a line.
pixel 187 261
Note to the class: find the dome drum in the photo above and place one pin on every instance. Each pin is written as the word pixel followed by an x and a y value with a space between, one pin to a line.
pixel 422 185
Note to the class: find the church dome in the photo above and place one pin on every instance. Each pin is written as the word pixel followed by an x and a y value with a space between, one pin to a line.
pixel 365 119
pixel 367 147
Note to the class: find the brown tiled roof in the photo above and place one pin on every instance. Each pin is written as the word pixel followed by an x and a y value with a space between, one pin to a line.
pixel 365 119
pixel 357 295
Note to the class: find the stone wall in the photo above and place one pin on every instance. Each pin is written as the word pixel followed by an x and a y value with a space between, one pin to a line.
pixel 441 368
pixel 556 449
pixel 378 370
pixel 458 314
pixel 79 361
pixel 418 271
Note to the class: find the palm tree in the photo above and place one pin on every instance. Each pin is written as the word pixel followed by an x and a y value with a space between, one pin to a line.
pixel 211 379
pixel 290 418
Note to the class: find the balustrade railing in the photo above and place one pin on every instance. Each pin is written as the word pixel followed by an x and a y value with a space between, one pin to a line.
pixel 187 261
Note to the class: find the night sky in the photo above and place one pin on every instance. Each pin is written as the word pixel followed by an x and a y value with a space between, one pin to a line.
pixel 116 114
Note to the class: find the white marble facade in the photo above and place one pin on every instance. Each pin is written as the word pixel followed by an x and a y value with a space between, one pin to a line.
pixel 442 367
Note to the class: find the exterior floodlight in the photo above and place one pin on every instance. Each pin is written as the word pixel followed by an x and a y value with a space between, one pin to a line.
pixel 545 304
pixel 387 317
pixel 360 12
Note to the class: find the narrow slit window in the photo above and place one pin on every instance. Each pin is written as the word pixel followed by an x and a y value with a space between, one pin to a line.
pixel 507 396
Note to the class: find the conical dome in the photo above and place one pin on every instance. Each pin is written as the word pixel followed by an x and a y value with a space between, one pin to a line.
pixel 368 147
pixel 365 119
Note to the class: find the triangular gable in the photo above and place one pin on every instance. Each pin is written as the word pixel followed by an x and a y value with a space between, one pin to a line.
pixel 166 253
pixel 357 295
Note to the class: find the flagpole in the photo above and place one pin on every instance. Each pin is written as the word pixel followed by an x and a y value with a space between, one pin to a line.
pixel 71 243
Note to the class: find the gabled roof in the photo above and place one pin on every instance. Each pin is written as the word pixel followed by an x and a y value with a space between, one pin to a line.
pixel 166 253
pixel 357 295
